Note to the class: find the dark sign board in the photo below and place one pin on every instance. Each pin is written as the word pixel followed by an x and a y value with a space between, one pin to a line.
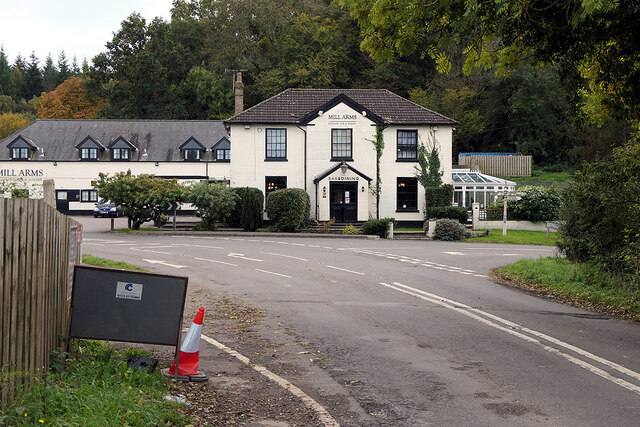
pixel 118 305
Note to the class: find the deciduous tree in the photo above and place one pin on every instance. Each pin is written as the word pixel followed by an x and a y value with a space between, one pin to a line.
pixel 142 198
pixel 69 101
pixel 11 122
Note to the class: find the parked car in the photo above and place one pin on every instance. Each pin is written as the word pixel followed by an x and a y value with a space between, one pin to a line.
pixel 105 208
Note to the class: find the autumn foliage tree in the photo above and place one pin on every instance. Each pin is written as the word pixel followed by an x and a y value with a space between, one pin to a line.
pixel 11 122
pixel 69 101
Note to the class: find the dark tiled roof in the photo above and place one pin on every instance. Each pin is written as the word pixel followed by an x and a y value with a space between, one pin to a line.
pixel 160 139
pixel 294 105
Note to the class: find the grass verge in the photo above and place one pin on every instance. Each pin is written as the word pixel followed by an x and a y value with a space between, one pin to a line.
pixel 581 285
pixel 107 263
pixel 96 392
pixel 518 237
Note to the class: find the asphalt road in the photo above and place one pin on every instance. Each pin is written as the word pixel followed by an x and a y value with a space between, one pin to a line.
pixel 416 331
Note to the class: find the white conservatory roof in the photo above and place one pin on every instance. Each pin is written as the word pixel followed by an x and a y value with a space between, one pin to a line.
pixel 471 177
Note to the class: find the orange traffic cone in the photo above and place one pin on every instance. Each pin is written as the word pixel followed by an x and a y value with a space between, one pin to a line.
pixel 189 353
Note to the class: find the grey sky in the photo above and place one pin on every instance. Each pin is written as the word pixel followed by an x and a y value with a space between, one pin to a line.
pixel 80 28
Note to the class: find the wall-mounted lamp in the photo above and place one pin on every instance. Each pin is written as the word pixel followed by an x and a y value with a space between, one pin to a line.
pixel 343 167
pixel 324 189
pixel 363 188
pixel 157 163
pixel 55 163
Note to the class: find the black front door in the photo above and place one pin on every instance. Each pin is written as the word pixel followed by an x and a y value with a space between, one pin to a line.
pixel 344 201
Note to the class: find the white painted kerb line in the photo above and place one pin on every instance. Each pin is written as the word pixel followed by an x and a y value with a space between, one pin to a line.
pixel 513 328
pixel 323 414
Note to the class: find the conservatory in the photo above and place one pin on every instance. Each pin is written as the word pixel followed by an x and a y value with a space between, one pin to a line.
pixel 471 186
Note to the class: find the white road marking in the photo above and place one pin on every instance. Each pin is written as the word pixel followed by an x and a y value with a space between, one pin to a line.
pixel 149 250
pixel 517 331
pixel 297 244
pixel 314 246
pixel 197 246
pixel 254 240
pixel 272 272
pixel 454 253
pixel 155 261
pixel 241 256
pixel 327 247
pixel 323 414
pixel 240 240
pixel 286 256
pixel 344 269
pixel 511 249
pixel 283 243
pixel 213 260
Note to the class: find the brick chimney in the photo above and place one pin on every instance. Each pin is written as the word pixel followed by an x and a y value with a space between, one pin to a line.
pixel 238 93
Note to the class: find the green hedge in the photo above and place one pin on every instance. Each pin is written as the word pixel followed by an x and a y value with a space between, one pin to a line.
pixel 438 196
pixel 289 209
pixel 458 213
pixel 377 227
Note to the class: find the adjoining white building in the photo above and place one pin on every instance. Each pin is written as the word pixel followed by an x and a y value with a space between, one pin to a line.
pixel 74 152
pixel 319 140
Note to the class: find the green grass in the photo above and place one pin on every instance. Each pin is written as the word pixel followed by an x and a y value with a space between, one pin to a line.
pixel 408 229
pixel 107 263
pixel 584 285
pixel 518 237
pixel 96 392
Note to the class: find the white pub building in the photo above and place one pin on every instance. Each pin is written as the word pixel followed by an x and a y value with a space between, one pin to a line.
pixel 319 140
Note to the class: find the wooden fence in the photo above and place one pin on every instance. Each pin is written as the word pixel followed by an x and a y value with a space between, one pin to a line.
pixel 499 165
pixel 39 248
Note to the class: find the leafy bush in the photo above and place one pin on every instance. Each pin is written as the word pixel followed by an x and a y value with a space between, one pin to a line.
pixel 252 207
pixel 537 204
pixel 600 218
pixel 289 208
pixel 438 196
pixel 448 229
pixel 350 230
pixel 458 213
pixel 215 202
pixel 377 227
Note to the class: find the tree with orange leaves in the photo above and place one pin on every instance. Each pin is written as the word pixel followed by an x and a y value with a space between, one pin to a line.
pixel 69 101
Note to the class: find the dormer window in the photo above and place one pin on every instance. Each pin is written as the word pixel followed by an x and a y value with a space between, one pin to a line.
pixel 121 150
pixel 120 154
pixel 222 151
pixel 21 148
pixel 192 150
pixel 89 149
pixel 88 154
pixel 20 154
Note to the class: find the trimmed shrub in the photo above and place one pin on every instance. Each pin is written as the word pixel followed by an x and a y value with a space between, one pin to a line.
pixel 215 202
pixel 448 229
pixel 251 209
pixel 234 218
pixel 438 196
pixel 289 208
pixel 377 227
pixel 458 213
pixel 350 230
